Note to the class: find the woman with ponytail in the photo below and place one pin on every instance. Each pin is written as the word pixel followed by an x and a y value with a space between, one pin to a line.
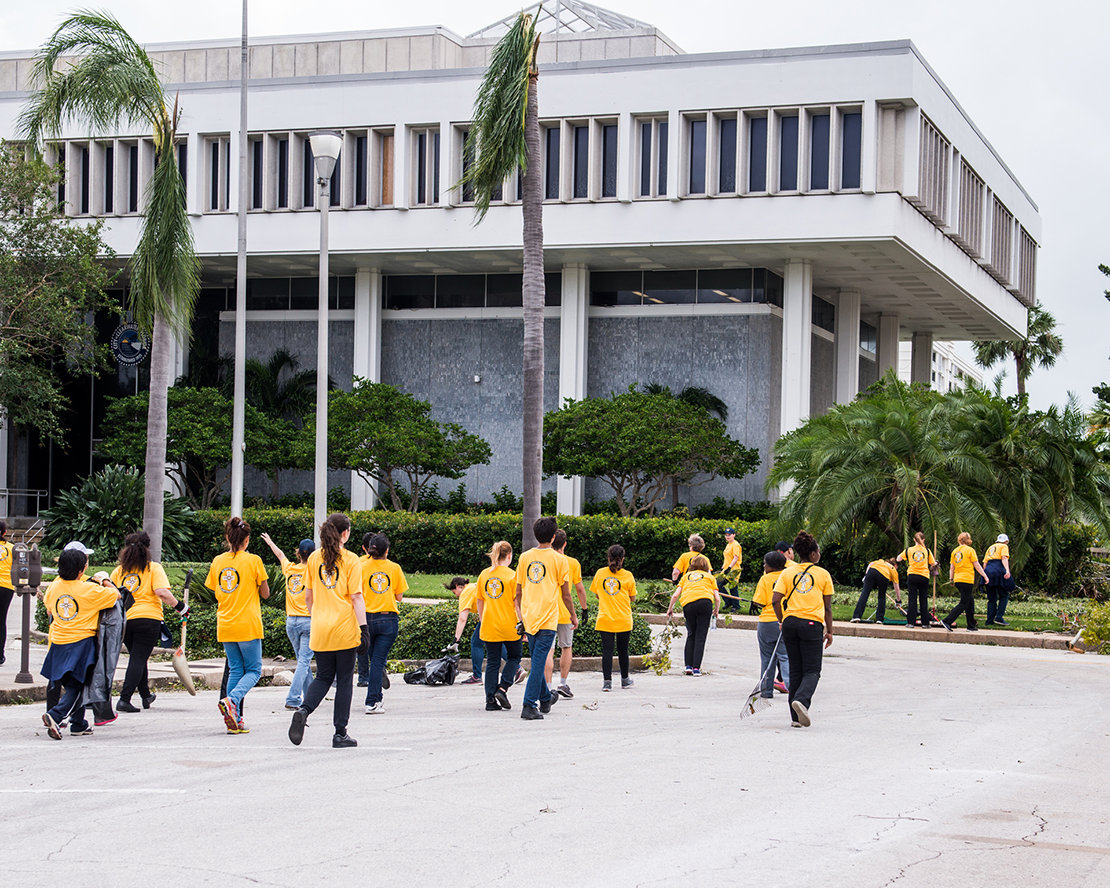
pixel 383 585
pixel 145 588
pixel 238 580
pixel 497 625
pixel 333 595
pixel 615 588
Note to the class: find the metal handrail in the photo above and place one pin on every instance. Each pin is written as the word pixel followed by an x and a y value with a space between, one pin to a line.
pixel 7 494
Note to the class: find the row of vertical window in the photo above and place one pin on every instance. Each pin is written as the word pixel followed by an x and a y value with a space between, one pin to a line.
pixel 106 177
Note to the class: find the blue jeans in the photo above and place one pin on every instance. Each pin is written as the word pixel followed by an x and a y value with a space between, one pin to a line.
pixel 771 646
pixel 383 632
pixel 477 651
pixel 998 590
pixel 70 706
pixel 539 645
pixel 298 628
pixel 494 650
pixel 244 667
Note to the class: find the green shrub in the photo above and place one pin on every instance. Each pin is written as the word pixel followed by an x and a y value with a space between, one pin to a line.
pixel 1096 628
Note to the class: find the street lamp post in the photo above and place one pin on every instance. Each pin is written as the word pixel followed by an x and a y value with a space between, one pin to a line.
pixel 325 146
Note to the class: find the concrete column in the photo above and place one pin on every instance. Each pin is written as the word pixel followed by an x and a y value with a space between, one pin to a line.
pixel 574 334
pixel 888 343
pixel 367 359
pixel 847 346
pixel 797 339
pixel 921 361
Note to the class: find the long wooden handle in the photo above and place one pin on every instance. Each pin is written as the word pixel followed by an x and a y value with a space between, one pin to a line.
pixel 185 598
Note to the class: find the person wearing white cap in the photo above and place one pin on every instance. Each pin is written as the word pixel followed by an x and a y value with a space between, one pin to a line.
pixel 999 580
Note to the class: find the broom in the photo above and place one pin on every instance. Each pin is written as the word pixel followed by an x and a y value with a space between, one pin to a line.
pixel 180 661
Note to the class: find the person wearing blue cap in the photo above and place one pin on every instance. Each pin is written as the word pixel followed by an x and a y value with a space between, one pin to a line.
pixel 297 620
pixel 730 562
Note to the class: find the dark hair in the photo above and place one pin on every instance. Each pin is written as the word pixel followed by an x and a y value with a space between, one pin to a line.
pixel 616 557
pixel 782 546
pixel 455 581
pixel 134 557
pixel 559 540
pixel 331 538
pixel 3 529
pixel 775 560
pixel 236 531
pixel 805 546
pixel 70 563
pixel 377 546
pixel 544 529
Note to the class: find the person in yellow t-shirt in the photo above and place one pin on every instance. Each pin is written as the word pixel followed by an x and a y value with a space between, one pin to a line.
pixel 802 599
pixel 239 581
pixel 731 562
pixel 298 623
pixel 542 576
pixel 682 564
pixel 497 620
pixel 769 629
pixel 996 565
pixel 697 594
pixel 145 588
pixel 615 588
pixel 963 564
pixel 333 597
pixel 74 604
pixel 879 575
pixel 920 564
pixel 467 593
pixel 564 632
pixel 383 585
pixel 7 588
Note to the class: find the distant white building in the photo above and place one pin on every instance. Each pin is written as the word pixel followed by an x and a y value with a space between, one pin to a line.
pixel 768 224
pixel 948 368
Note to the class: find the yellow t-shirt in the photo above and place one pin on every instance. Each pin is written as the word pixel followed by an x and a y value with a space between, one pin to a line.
pixel 541 575
pixel 733 549
pixel 614 592
pixel 918 559
pixel 884 568
pixel 468 598
pixel 496 587
pixel 574 577
pixel 997 552
pixel 141 585
pixel 807 596
pixel 236 577
pixel 6 564
pixel 75 606
pixel 334 624
pixel 295 605
pixel 695 585
pixel 762 596
pixel 963 560
pixel 684 561
pixel 383 582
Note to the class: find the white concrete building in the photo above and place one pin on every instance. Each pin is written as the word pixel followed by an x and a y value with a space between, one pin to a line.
pixel 769 225
pixel 950 369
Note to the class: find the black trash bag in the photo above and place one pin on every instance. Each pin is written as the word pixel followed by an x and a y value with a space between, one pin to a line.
pixel 435 672
pixel 415 676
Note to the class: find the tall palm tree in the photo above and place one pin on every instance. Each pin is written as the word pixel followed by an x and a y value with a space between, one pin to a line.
pixel 92 73
pixel 1041 347
pixel 505 138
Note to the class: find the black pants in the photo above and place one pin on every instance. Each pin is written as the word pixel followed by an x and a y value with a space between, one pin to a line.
pixel 965 607
pixel 917 595
pixel 872 580
pixel 5 601
pixel 140 636
pixel 620 641
pixel 698 614
pixel 804 640
pixel 337 666
pixel 512 651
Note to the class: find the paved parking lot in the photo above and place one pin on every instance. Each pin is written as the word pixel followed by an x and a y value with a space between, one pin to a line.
pixel 927 765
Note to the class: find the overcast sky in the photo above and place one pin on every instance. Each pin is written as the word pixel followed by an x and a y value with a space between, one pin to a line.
pixel 1033 77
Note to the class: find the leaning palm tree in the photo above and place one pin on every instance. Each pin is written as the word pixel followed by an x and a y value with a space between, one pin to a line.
pixel 505 138
pixel 92 73
pixel 1041 347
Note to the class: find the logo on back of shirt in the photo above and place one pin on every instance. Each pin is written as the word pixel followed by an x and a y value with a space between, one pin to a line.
pixel 537 570
pixel 804 585
pixel 131 582
pixel 379 582
pixel 611 585
pixel 296 583
pixel 4 553
pixel 229 579
pixel 917 557
pixel 66 608
pixel 957 557
pixel 494 588
pixel 328 577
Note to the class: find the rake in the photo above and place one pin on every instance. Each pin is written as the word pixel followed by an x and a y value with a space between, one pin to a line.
pixel 756 702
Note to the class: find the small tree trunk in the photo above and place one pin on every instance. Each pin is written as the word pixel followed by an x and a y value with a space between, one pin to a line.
pixel 533 299
pixel 1020 364
pixel 157 420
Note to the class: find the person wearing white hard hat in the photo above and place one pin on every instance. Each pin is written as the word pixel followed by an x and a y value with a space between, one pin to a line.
pixel 1000 582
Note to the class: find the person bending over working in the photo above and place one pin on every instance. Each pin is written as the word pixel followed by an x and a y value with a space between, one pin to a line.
pixel 467 593
pixel 879 575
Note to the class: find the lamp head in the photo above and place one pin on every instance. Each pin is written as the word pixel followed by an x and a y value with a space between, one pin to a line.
pixel 325 152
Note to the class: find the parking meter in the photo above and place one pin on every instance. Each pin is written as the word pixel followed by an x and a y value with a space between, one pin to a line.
pixel 26 577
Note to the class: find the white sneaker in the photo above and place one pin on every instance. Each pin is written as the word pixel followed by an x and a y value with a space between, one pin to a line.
pixel 375 708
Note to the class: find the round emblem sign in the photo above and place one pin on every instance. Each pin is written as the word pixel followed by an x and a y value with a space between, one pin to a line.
pixel 129 345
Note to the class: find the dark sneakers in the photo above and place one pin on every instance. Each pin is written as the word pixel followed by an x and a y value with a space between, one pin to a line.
pixel 341 741
pixel 148 700
pixel 52 729
pixel 296 727
pixel 530 713
pixel 492 705
pixel 385 681
pixel 502 698
pixel 545 706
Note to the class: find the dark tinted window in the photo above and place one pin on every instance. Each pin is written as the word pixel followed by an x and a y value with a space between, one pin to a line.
pixel 553 288
pixel 283 172
pixel 410 291
pixel 645 159
pixel 460 291
pixel 308 190
pixel 726 181
pixel 304 293
pixel 697 157
pixel 819 151
pixel 824 314
pixel 868 338
pixel 361 176
pixel 725 285
pixel 503 290
pixel 757 154
pixel 581 161
pixel 269 294
pixel 616 288
pixel 661 132
pixel 788 153
pixel 109 178
pixel 609 160
pixel 551 163
pixel 850 141
pixel 670 287
pixel 256 174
